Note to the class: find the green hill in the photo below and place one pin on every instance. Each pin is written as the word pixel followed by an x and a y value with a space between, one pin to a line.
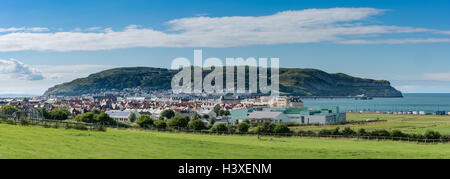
pixel 293 81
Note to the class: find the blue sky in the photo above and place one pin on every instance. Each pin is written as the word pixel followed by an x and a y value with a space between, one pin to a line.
pixel 54 41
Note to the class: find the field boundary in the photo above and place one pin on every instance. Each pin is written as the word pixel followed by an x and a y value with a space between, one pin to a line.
pixel 91 126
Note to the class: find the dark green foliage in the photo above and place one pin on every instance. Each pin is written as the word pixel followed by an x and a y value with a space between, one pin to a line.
pixel 205 116
pixel 432 135
pixel 281 129
pixel 168 114
pixel 243 127
pixel 178 122
pixel 220 128
pixel 380 133
pixel 197 125
pixel 397 133
pixel 132 117
pixel 59 114
pixel 265 128
pixel 348 132
pixel 24 122
pixel 160 124
pixel 91 117
pixel 296 82
pixel 145 121
pixel 362 132
pixel 8 110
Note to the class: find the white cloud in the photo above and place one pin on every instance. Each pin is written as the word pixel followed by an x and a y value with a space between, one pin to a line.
pixel 23 29
pixel 438 76
pixel 336 25
pixel 17 70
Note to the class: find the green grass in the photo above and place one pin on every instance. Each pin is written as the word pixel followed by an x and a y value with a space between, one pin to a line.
pixel 37 142
pixel 417 124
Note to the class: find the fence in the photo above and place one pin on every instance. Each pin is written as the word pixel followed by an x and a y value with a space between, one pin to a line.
pixel 90 126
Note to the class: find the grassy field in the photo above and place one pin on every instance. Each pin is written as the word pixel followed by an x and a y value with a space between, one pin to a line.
pixel 406 123
pixel 39 142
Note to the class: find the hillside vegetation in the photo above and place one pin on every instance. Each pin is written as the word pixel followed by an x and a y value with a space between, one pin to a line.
pixel 293 81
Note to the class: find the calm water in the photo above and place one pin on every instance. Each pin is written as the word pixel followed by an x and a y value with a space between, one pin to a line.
pixel 410 102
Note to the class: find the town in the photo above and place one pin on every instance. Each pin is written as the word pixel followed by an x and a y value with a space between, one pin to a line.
pixel 212 110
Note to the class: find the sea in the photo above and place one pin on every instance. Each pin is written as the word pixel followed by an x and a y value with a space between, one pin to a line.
pixel 427 102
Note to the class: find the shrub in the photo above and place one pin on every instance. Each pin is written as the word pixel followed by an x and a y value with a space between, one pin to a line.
pixel 100 128
pixel 59 114
pixel 197 125
pixel 168 114
pixel 397 133
pixel 160 124
pixel 178 122
pixel 266 127
pixel 348 132
pixel 8 110
pixel 325 132
pixel 80 127
pixel 380 133
pixel 219 128
pixel 145 121
pixel 24 122
pixel 281 129
pixel 362 132
pixel 132 117
pixel 432 135
pixel 243 127
pixel 232 129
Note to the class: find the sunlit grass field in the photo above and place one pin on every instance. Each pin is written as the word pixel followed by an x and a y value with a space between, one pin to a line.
pixel 417 124
pixel 38 142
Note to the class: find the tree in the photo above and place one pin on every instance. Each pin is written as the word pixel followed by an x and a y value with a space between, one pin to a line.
pixel 168 114
pixel 212 121
pixel 195 116
pixel 281 129
pixel 88 117
pixel 59 114
pixel 8 110
pixel 266 127
pixel 432 135
pixel 132 117
pixel 348 132
pixel 178 122
pixel 197 125
pixel 160 124
pixel 44 112
pixel 205 116
pixel 145 121
pixel 104 119
pixel 243 127
pixel 219 128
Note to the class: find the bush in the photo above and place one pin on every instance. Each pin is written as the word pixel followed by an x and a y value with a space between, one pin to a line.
pixel 80 127
pixel 380 133
pixel 232 129
pixel 432 135
pixel 266 127
pixel 59 114
pixel 281 129
pixel 348 132
pixel 168 114
pixel 178 122
pixel 397 133
pixel 94 118
pixel 24 122
pixel 243 127
pixel 197 125
pixel 219 128
pixel 160 124
pixel 325 132
pixel 362 132
pixel 8 110
pixel 145 121
pixel 100 128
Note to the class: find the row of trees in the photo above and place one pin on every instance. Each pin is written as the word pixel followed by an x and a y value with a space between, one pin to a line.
pixel 96 117
pixel 376 133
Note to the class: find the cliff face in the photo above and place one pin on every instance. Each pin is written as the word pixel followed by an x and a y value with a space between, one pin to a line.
pixel 293 81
